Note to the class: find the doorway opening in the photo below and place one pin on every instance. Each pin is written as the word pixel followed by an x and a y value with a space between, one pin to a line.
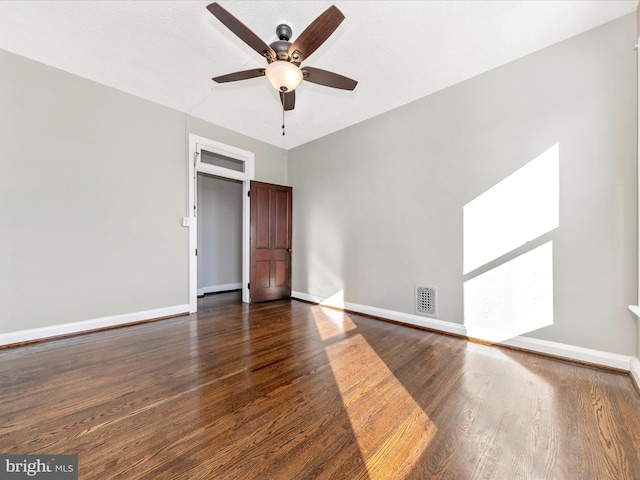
pixel 214 159
pixel 219 211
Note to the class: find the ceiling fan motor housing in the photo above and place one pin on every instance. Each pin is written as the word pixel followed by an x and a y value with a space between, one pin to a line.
pixel 281 46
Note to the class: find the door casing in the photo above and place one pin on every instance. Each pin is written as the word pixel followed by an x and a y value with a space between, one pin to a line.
pixel 196 145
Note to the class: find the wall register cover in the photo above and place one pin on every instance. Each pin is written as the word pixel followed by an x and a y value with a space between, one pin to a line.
pixel 426 301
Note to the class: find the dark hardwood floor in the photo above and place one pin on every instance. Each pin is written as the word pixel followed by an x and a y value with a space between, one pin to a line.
pixel 289 390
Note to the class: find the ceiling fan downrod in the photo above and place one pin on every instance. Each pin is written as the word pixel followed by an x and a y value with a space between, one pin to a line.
pixel 282 90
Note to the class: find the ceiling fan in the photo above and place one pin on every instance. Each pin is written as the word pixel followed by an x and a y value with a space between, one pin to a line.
pixel 283 57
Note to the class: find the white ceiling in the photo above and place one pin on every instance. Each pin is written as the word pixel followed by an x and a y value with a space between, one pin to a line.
pixel 399 51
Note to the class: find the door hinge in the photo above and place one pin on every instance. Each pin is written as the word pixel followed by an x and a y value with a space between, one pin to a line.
pixel 196 252
pixel 248 193
pixel 248 286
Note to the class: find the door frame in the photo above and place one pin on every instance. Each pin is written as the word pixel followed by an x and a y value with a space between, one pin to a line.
pixel 196 144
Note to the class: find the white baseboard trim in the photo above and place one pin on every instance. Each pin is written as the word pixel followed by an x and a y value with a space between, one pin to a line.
pixel 571 352
pixel 635 370
pixel 219 288
pixel 87 325
pixel 407 318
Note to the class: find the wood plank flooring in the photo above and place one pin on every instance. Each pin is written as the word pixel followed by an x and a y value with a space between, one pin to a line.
pixel 289 390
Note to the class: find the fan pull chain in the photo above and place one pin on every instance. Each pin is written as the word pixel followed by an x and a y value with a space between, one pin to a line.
pixel 282 94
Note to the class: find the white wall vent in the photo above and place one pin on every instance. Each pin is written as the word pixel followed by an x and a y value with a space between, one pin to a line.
pixel 426 301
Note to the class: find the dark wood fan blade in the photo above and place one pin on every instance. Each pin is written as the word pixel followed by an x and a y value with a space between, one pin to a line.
pixel 241 30
pixel 315 34
pixel 328 79
pixel 243 75
pixel 289 100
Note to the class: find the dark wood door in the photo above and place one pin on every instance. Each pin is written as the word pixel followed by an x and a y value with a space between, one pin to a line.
pixel 270 277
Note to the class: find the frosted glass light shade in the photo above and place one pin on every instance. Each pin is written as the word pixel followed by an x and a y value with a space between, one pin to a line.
pixel 283 74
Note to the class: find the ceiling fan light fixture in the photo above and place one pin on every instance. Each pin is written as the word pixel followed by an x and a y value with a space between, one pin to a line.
pixel 283 75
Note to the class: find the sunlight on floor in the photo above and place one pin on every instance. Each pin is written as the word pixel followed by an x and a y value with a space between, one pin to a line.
pixel 335 323
pixel 487 369
pixel 402 430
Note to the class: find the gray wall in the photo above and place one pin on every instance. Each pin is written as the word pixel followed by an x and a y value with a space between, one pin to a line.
pixel 93 188
pixel 378 206
pixel 90 208
pixel 219 231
